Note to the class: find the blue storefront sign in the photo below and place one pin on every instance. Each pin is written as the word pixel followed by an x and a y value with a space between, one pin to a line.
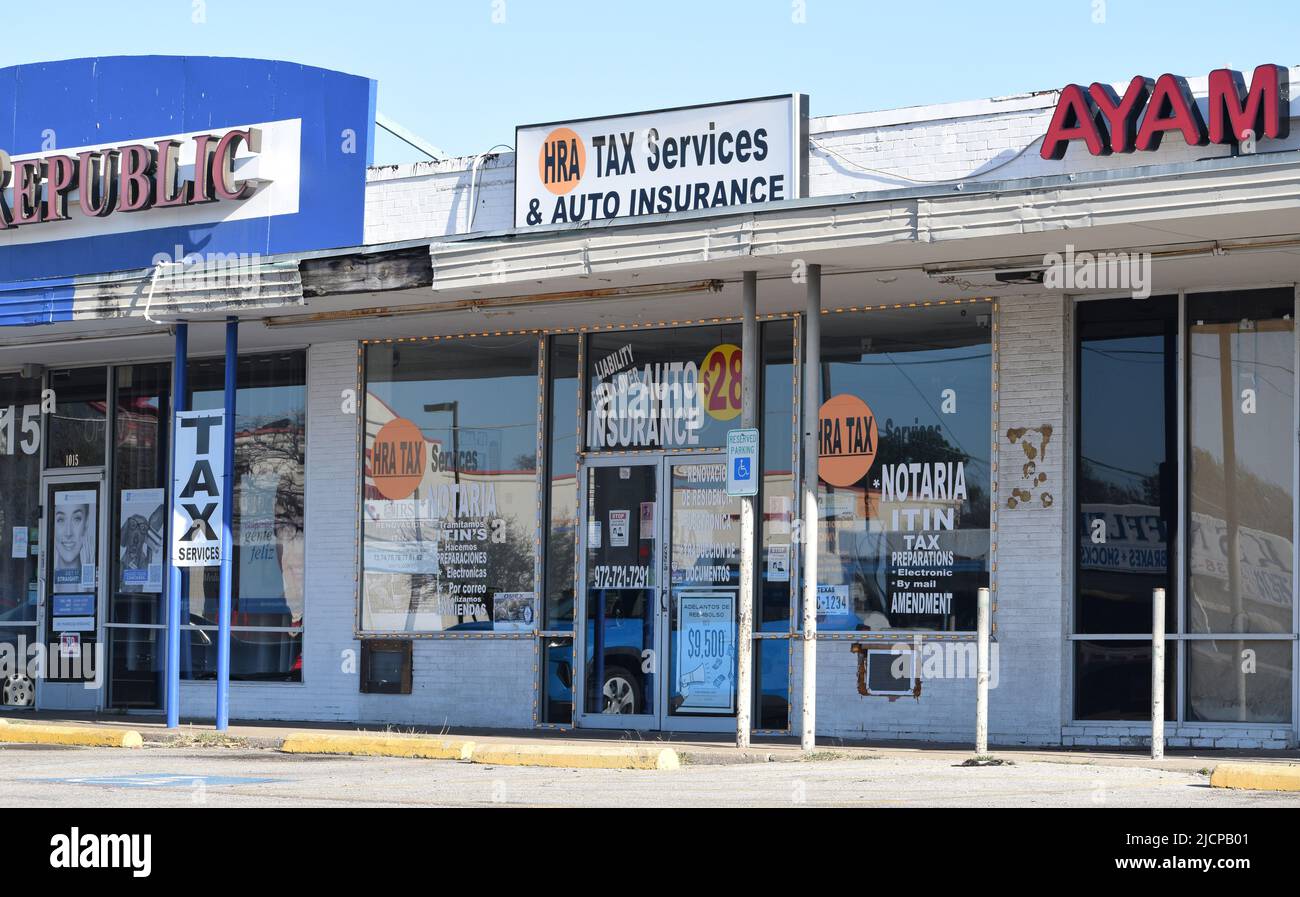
pixel 120 163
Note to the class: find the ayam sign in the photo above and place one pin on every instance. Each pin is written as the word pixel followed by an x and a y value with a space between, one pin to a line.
pixel 672 160
pixel 197 483
pixel 132 177
pixel 1109 123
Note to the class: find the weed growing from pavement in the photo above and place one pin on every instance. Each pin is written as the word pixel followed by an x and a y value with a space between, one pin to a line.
pixel 987 760
pixel 205 739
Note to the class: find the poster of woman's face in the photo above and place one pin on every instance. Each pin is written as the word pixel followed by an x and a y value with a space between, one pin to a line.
pixel 74 541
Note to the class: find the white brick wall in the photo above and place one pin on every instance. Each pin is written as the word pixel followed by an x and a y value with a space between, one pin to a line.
pixel 1030 599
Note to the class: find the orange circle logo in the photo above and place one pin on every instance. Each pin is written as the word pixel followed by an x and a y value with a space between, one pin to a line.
pixel 562 161
pixel 847 439
pixel 397 460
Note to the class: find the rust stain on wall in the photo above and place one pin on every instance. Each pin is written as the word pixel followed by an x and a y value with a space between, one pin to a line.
pixel 860 649
pixel 1033 441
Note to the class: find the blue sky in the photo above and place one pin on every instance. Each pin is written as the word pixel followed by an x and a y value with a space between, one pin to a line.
pixel 452 74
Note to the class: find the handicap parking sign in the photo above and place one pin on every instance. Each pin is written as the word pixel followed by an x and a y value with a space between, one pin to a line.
pixel 742 461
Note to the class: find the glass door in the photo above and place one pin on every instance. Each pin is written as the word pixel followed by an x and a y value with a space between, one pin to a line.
pixel 70 604
pixel 703 593
pixel 620 594
pixel 661 567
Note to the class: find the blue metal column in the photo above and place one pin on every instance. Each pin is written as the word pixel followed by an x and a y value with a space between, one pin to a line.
pixel 227 529
pixel 174 573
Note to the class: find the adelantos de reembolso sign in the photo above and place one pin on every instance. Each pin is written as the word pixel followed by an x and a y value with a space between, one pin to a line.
pixel 747 152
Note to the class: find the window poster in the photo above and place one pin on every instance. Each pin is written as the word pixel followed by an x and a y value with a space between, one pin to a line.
pixel 667 389
pixel 513 611
pixel 705 527
pixel 74 540
pixel 706 652
pixel 143 519
pixel 618 527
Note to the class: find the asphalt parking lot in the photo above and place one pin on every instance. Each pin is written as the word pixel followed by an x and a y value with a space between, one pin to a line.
pixel 154 776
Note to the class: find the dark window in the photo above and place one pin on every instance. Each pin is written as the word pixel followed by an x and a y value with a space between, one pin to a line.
pixel 138 525
pixel 20 486
pixel 1112 680
pixel 386 666
pixel 1127 475
pixel 562 533
pixel 79 421
pixel 139 500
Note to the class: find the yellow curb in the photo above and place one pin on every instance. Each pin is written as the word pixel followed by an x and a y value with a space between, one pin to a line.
pixel 367 745
pixel 573 757
pixel 1256 776
pixel 36 733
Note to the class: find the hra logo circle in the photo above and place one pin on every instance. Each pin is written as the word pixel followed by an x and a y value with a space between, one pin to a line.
pixel 397 460
pixel 846 439
pixel 562 161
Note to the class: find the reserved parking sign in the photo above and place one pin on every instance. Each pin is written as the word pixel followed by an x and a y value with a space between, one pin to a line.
pixel 742 462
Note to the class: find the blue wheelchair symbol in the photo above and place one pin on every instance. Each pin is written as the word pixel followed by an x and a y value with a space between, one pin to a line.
pixel 742 469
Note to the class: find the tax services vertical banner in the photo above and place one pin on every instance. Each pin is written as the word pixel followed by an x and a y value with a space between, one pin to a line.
pixel 688 159
pixel 197 486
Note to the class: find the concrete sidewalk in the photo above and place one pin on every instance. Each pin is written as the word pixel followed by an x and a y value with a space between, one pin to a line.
pixel 694 748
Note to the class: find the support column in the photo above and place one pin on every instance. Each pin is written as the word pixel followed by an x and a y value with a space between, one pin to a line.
pixel 812 402
pixel 175 575
pixel 227 530
pixel 749 355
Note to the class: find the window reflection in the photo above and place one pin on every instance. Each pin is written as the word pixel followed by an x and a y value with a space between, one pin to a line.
pixel 270 451
pixel 450 510
pixel 1241 423
pixel 904 468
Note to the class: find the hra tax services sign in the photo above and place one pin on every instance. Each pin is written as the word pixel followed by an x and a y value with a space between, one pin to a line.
pixel 746 152
pixel 198 481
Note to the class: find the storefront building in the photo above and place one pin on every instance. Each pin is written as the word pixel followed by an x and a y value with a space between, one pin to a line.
pixel 483 406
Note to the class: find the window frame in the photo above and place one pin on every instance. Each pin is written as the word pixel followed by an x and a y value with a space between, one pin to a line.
pixel 1178 638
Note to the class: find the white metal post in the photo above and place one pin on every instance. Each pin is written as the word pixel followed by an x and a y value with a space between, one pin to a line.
pixel 1157 673
pixel 812 402
pixel 749 356
pixel 982 627
pixel 982 672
